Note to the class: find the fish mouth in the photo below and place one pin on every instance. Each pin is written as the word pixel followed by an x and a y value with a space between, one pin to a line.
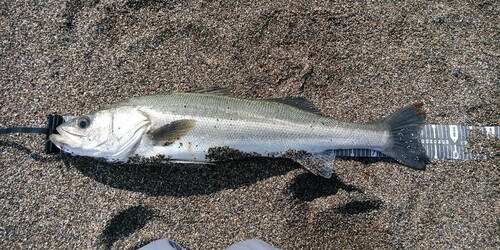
pixel 62 139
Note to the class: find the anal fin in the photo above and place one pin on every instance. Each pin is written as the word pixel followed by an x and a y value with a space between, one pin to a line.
pixel 318 163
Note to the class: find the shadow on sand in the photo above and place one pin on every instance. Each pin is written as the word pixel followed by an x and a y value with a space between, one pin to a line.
pixel 180 180
pixel 124 224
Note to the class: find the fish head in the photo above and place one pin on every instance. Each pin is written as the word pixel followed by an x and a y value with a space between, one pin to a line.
pixel 111 134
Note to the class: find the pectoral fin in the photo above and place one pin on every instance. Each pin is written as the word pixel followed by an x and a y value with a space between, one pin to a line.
pixel 318 163
pixel 171 132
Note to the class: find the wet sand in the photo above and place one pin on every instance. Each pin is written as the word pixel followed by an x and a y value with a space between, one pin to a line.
pixel 356 62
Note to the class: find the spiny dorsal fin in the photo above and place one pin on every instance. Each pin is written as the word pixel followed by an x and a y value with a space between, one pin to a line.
pixel 171 132
pixel 214 90
pixel 298 102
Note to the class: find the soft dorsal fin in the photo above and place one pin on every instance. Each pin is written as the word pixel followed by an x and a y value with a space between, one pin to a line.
pixel 214 90
pixel 171 132
pixel 298 102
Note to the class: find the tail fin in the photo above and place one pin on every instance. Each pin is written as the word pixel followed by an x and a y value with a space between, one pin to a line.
pixel 404 126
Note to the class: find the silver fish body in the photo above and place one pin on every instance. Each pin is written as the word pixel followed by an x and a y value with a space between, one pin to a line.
pixel 206 127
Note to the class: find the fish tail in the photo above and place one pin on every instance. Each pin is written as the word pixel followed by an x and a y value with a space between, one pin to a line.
pixel 404 126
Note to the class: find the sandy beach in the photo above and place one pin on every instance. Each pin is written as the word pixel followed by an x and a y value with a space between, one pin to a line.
pixel 355 61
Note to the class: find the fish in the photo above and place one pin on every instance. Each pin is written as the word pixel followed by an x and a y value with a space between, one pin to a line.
pixel 208 126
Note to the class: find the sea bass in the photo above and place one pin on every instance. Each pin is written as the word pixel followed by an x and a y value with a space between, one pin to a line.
pixel 209 126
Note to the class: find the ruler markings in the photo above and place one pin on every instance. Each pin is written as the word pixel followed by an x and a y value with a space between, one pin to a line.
pixel 439 141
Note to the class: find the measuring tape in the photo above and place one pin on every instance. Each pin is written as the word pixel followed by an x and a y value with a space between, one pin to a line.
pixel 441 142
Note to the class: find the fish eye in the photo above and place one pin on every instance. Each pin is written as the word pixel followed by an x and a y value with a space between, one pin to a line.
pixel 83 122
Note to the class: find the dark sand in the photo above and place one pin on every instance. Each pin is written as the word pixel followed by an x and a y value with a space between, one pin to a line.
pixel 356 62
